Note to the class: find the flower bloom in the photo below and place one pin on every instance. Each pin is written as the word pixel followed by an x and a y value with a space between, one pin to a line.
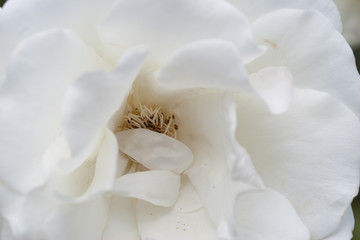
pixel 177 119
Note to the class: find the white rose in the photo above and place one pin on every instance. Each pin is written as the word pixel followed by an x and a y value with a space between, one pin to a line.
pixel 177 119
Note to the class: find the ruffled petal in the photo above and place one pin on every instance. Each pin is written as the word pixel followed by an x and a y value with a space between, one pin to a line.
pixel 163 26
pixel 275 86
pixel 78 221
pixel 90 103
pixel 255 8
pixel 221 169
pixel 310 154
pixel 175 223
pixel 317 55
pixel 344 232
pixel 154 150
pixel 121 223
pixel 31 99
pixel 268 215
pixel 158 187
pixel 20 19
pixel 205 64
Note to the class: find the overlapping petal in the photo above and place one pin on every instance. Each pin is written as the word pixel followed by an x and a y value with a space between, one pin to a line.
pixel 31 99
pixel 308 45
pixel 315 143
pixel 90 103
pixel 162 25
pixel 346 227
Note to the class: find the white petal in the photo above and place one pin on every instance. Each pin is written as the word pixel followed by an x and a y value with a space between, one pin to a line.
pixel 344 232
pixel 121 223
pixel 275 87
pixel 221 168
pixel 163 26
pixel 5 231
pixel 78 221
pixel 322 60
pixel 256 8
pixel 158 187
pixel 90 103
pixel 20 19
pixel 310 154
pixel 38 74
pixel 205 64
pixel 161 223
pixel 154 150
pixel 268 215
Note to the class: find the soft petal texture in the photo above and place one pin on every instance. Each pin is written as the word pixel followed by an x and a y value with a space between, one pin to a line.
pixel 268 215
pixel 78 221
pixel 30 101
pixel 101 174
pixel 20 19
pixel 221 169
pixel 159 223
pixel 256 8
pixel 158 187
pixel 205 64
pixel 154 150
pixel 5 231
pixel 121 223
pixel 275 86
pixel 317 132
pixel 344 232
pixel 317 55
pixel 163 26
pixel 90 103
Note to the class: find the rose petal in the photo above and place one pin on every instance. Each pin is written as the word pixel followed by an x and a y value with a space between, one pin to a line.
pixel 122 221
pixel 173 223
pixel 318 57
pixel 275 86
pixel 205 64
pixel 221 168
pixel 20 19
pixel 310 154
pixel 84 116
pixel 161 24
pixel 154 150
pixel 256 8
pixel 158 187
pixel 346 227
pixel 268 215
pixel 31 98
pixel 78 221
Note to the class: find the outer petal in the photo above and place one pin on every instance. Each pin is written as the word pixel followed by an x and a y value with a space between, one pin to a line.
pixel 167 25
pixel 90 103
pixel 205 64
pixel 344 232
pixel 256 8
pixel 158 187
pixel 159 223
pixel 20 19
pixel 268 215
pixel 31 98
pixel 121 223
pixel 154 150
pixel 221 168
pixel 309 154
pixel 319 58
pixel 78 221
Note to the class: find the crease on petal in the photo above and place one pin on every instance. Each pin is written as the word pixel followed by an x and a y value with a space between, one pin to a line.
pixel 275 86
pixel 85 116
pixel 154 150
pixel 161 188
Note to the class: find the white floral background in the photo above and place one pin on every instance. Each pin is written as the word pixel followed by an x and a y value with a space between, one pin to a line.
pixel 348 12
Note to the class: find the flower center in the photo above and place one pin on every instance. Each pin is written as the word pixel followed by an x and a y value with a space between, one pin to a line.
pixel 150 118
